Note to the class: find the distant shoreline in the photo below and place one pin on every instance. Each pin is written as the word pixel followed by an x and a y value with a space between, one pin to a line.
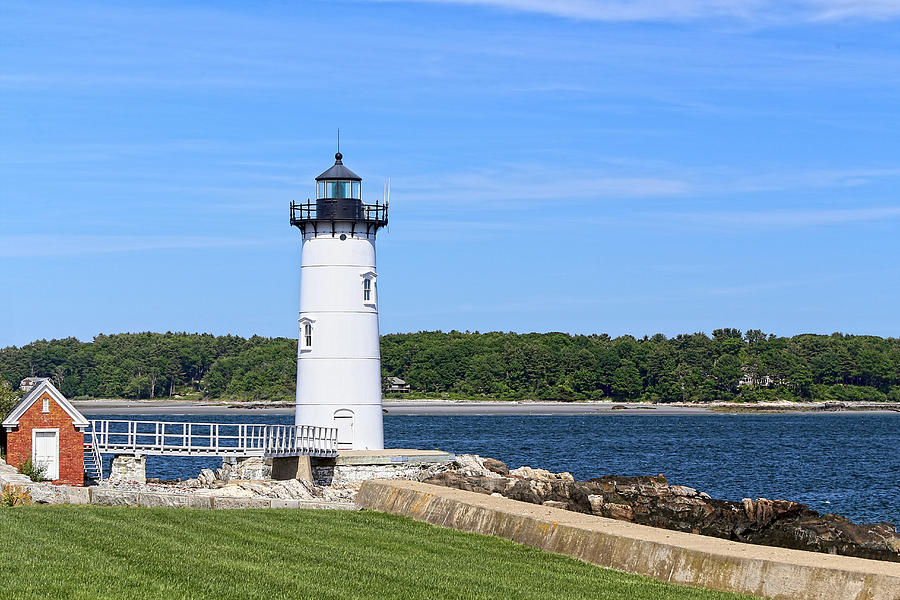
pixel 498 407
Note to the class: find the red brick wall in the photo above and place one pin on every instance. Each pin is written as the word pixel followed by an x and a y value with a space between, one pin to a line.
pixel 71 441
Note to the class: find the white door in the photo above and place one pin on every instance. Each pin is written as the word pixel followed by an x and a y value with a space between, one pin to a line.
pixel 343 420
pixel 46 452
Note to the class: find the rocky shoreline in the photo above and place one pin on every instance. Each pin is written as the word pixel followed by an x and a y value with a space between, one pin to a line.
pixel 650 500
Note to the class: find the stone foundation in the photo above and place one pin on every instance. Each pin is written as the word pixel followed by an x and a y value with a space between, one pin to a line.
pixel 128 469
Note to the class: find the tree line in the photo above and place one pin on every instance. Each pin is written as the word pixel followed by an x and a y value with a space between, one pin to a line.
pixel 727 365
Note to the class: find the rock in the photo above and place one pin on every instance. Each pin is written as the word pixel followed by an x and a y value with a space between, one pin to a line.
pixel 232 490
pixel 540 474
pixel 474 465
pixel 206 477
pixel 337 495
pixel 496 466
pixel 150 499
pixel 232 502
pixel 114 497
pixel 683 490
pixel 254 468
pixel 191 483
pixel 622 512
pixel 46 493
pixel 596 502
pixel 474 483
pixel 556 504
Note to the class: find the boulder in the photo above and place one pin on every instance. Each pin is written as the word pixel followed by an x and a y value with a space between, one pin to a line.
pixel 496 466
pixel 540 474
pixel 206 477
pixel 474 465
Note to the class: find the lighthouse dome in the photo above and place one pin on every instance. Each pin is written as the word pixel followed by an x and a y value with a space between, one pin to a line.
pixel 339 182
pixel 338 171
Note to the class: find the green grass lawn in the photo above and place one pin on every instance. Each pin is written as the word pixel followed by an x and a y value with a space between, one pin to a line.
pixel 95 552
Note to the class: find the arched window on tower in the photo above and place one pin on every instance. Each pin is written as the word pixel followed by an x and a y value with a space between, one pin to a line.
pixel 307 335
pixel 369 289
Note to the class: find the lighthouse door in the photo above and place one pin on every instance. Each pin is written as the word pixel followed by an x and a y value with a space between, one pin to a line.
pixel 46 452
pixel 343 420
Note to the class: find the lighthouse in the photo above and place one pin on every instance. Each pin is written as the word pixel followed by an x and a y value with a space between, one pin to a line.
pixel 338 355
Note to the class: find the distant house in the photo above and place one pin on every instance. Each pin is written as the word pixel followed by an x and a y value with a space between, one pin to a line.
pixel 46 428
pixel 29 382
pixel 750 377
pixel 395 384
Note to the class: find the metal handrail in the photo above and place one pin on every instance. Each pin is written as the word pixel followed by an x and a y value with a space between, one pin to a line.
pixel 95 452
pixel 218 439
pixel 374 213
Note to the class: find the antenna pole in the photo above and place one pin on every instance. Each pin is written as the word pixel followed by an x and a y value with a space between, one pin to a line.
pixel 339 139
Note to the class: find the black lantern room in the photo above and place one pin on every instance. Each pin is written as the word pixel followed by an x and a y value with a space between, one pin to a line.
pixel 338 199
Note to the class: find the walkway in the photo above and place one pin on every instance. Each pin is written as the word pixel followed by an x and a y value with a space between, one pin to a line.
pixel 209 439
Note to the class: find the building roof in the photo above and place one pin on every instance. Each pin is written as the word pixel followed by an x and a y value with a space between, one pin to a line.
pixel 12 420
pixel 396 381
pixel 339 171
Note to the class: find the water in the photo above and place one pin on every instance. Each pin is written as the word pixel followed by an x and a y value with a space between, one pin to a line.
pixel 843 463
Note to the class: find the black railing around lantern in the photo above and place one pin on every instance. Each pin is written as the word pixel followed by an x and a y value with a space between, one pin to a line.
pixel 323 212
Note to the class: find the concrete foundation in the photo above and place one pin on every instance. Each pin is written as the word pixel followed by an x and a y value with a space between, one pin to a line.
pixel 292 467
pixel 669 556
pixel 352 467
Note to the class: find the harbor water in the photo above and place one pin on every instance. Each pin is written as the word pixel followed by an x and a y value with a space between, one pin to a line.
pixel 847 464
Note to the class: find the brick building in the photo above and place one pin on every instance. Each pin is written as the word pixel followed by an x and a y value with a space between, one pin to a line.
pixel 47 428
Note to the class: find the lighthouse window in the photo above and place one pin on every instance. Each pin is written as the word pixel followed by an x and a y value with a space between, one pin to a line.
pixel 355 185
pixel 367 290
pixel 307 335
pixel 338 189
pixel 321 189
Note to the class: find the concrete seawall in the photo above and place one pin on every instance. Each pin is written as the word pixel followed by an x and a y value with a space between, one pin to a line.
pixel 669 556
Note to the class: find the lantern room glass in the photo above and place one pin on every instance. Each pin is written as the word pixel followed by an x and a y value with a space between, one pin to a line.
pixel 339 189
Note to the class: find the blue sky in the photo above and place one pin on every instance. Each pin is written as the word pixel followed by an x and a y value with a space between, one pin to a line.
pixel 580 166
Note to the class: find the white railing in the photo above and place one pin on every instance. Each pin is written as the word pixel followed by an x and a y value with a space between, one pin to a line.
pixel 96 458
pixel 213 439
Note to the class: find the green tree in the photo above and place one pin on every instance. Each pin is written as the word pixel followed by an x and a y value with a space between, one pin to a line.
pixel 8 398
pixel 627 384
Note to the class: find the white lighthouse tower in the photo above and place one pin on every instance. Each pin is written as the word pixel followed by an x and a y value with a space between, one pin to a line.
pixel 338 357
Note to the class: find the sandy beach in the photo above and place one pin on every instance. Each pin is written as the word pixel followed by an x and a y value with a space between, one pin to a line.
pixel 462 407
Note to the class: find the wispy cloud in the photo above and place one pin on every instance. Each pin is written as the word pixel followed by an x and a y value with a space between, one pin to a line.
pixel 849 9
pixel 748 220
pixel 30 246
pixel 690 10
pixel 526 185
pixel 530 185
